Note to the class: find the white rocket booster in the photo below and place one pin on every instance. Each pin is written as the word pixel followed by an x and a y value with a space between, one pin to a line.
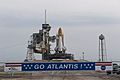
pixel 60 48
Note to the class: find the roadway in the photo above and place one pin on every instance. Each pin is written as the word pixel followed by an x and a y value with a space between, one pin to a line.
pixel 62 75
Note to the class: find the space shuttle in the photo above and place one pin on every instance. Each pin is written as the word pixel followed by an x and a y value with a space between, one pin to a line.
pixel 60 48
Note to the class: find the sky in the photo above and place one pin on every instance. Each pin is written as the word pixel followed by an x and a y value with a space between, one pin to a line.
pixel 82 21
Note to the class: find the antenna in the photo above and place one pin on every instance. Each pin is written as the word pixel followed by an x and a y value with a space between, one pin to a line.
pixel 45 16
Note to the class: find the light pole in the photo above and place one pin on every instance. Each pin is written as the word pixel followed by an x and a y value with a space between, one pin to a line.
pixel 83 55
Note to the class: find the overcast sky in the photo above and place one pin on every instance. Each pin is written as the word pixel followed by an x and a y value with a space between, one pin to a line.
pixel 82 21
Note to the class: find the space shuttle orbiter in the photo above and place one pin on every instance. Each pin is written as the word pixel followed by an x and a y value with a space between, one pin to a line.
pixel 60 48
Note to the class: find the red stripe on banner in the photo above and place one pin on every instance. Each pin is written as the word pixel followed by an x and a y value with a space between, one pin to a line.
pixel 13 65
pixel 103 64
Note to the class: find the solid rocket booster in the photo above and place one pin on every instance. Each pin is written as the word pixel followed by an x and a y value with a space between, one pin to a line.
pixel 60 48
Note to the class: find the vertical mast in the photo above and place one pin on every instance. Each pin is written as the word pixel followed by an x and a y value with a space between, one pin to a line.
pixel 45 16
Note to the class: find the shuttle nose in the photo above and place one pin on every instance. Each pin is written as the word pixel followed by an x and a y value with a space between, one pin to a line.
pixel 60 32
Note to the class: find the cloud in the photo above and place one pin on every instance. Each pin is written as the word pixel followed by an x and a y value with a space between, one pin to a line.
pixel 69 12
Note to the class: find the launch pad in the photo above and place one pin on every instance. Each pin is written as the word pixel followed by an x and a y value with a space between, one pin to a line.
pixel 40 43
pixel 59 56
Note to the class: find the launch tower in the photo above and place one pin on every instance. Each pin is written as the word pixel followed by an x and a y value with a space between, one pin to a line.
pixel 40 43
